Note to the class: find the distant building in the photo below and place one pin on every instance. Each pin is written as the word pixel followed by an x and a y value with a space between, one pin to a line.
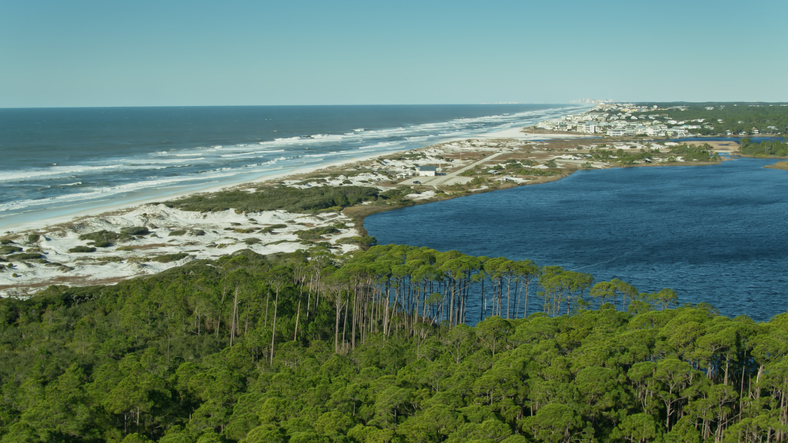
pixel 426 171
pixel 588 127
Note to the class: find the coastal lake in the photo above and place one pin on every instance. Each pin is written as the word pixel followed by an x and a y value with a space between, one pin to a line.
pixel 714 234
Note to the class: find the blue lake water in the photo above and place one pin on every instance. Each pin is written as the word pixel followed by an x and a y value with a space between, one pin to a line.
pixel 715 234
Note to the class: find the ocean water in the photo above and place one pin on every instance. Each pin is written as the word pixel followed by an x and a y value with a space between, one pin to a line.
pixel 61 161
pixel 714 234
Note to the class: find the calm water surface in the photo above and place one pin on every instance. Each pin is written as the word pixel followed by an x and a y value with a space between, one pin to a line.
pixel 715 234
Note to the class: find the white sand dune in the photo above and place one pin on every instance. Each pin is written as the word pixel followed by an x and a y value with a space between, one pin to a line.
pixel 192 235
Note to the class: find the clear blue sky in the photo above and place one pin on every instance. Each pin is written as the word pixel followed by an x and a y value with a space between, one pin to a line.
pixel 177 52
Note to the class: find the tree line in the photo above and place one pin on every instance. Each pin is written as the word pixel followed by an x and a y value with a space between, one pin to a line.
pixel 702 153
pixel 767 118
pixel 376 346
pixel 765 148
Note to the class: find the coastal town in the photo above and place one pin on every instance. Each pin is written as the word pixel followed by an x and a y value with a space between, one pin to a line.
pixel 630 120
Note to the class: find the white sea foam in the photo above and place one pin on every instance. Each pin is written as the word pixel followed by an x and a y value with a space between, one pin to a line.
pixel 159 161
pixel 181 154
pixel 32 174
pixel 251 154
pixel 380 145
pixel 109 192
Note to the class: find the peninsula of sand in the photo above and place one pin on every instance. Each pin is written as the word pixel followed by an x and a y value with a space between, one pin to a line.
pixel 148 238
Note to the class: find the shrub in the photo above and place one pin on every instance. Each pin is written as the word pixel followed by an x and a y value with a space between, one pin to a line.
pixel 167 258
pixel 100 236
pixel 25 256
pixel 280 197
pixel 244 230
pixel 177 232
pixel 270 229
pixel 33 238
pixel 135 230
pixel 8 249
pixel 316 233
pixel 82 249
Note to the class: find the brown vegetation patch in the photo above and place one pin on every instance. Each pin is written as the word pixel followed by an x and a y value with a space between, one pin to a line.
pixel 779 165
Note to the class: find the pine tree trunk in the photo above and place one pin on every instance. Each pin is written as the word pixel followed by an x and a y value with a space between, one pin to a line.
pixel 273 327
pixel 235 314
pixel 336 324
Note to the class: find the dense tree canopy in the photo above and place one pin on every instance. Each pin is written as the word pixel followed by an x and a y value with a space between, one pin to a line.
pixel 280 197
pixel 376 346
pixel 766 148
pixel 717 118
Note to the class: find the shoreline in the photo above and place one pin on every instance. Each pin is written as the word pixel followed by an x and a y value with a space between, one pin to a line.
pixel 114 208
pixel 42 223
pixel 178 236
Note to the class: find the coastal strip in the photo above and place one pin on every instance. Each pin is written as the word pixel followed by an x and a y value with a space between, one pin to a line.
pixel 148 238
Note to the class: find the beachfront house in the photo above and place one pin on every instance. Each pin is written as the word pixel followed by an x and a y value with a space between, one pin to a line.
pixel 426 171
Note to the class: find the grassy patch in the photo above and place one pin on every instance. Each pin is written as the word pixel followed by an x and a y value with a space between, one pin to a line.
pixel 135 230
pixel 270 229
pixel 269 199
pixel 78 249
pixel 244 230
pixel 25 256
pixel 105 237
pixel 8 249
pixel 316 233
pixel 167 258
pixel 778 165
pixel 101 260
